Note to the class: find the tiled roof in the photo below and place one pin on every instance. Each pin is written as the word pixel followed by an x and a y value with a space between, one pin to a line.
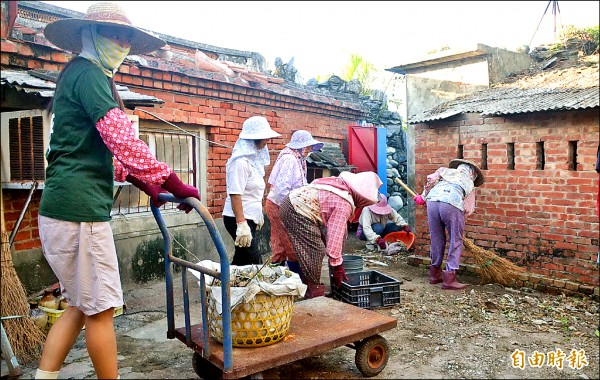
pixel 569 88
pixel 41 83
pixel 181 59
pixel 330 157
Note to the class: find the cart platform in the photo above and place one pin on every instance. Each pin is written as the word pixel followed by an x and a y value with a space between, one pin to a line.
pixel 318 325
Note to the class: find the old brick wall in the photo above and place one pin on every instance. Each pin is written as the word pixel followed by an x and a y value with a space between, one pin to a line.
pixel 198 99
pixel 544 220
pixel 27 236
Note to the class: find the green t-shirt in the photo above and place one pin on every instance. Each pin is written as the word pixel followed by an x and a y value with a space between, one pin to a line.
pixel 79 177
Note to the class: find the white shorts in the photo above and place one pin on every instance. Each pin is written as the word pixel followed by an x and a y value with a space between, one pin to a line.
pixel 84 259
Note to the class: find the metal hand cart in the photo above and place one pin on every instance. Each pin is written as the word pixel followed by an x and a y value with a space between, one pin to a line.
pixel 317 325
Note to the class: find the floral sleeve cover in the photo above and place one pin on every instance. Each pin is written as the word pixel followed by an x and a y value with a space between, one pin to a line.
pixel 132 155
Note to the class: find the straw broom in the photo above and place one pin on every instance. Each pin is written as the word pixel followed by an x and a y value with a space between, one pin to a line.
pixel 493 268
pixel 24 336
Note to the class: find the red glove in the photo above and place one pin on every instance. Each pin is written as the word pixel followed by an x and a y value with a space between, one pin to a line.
pixel 180 190
pixel 151 190
pixel 381 243
pixel 338 275
pixel 419 200
pixel 406 228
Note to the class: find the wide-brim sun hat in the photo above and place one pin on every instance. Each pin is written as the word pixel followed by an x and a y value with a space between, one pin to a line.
pixel 366 184
pixel 257 128
pixel 302 139
pixel 66 33
pixel 479 179
pixel 381 207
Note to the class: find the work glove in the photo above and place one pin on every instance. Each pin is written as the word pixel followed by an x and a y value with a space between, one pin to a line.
pixel 406 228
pixel 419 200
pixel 338 275
pixel 381 243
pixel 151 190
pixel 180 190
pixel 260 225
pixel 243 235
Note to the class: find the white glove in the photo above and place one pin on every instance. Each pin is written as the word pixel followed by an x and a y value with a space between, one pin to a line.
pixel 243 235
pixel 260 224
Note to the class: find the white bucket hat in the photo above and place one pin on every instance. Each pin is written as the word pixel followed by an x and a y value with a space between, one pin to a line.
pixel 257 128
pixel 301 139
pixel 66 33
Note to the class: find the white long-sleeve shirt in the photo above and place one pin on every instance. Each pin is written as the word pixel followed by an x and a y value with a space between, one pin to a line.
pixel 368 218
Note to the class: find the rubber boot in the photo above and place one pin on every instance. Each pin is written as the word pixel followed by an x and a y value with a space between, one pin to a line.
pixel 435 275
pixel 450 282
pixel 314 290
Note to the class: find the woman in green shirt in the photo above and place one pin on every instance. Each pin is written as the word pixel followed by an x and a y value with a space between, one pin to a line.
pixel 92 143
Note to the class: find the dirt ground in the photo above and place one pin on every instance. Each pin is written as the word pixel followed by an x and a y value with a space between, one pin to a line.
pixel 472 333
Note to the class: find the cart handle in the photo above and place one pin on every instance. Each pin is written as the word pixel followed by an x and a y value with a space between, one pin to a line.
pixel 223 275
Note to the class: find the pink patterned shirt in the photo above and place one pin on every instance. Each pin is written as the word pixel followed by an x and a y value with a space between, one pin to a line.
pixel 132 155
pixel 288 173
pixel 335 212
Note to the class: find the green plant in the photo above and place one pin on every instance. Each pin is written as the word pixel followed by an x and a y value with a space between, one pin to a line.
pixel 587 38
pixel 358 68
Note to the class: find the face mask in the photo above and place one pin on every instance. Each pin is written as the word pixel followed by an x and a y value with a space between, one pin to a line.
pixel 110 54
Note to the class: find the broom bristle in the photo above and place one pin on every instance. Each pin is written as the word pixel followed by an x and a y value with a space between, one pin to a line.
pixel 24 336
pixel 493 268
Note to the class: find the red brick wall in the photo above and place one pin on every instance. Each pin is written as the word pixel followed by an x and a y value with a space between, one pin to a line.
pixel 27 236
pixel 544 220
pixel 197 99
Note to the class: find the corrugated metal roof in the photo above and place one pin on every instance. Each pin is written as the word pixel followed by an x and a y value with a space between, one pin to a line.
pixel 565 89
pixel 33 82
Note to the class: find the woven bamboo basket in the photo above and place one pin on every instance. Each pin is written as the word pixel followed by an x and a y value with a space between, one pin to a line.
pixel 260 322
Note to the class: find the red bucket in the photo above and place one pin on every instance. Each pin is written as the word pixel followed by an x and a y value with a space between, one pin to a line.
pixel 408 238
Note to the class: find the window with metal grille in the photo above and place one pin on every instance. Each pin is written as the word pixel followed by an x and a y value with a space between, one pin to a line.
pixel 24 143
pixel 177 150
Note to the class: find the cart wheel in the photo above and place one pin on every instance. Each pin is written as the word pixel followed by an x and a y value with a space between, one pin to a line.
pixel 372 355
pixel 205 369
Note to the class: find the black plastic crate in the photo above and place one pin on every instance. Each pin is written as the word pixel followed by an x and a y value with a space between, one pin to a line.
pixel 368 289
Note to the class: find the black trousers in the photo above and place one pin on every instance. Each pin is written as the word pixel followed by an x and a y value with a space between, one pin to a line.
pixel 243 255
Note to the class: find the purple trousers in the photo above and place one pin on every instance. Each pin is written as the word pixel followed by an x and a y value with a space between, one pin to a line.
pixel 441 217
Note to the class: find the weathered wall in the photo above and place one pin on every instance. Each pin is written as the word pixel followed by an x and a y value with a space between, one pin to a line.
pixel 208 101
pixel 544 220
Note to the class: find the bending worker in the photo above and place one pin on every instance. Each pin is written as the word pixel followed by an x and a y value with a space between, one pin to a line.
pixel 316 218
pixel 450 197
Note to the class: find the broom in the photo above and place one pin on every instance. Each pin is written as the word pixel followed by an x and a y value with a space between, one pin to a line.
pixel 492 268
pixel 24 336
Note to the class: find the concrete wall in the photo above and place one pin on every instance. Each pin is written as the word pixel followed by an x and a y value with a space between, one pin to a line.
pixel 502 63
pixel 140 247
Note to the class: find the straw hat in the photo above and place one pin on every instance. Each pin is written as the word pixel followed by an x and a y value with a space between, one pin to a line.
pixel 257 128
pixel 382 207
pixel 66 33
pixel 302 139
pixel 479 179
